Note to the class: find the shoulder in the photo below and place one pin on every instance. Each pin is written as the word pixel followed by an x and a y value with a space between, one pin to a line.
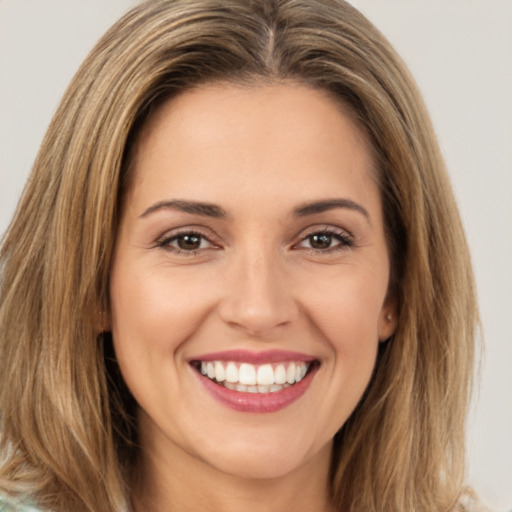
pixel 10 504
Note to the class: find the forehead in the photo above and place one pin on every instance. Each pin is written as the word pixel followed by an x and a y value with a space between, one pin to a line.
pixel 289 135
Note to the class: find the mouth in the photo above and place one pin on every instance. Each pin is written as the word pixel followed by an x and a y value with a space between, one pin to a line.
pixel 256 382
pixel 245 377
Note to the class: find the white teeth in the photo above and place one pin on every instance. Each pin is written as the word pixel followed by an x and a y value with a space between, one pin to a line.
pixel 290 374
pixel 298 374
pixel 265 375
pixel 232 372
pixel 249 378
pixel 247 374
pixel 280 374
pixel 220 373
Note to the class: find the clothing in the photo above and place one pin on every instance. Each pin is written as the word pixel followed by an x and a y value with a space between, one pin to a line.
pixel 8 504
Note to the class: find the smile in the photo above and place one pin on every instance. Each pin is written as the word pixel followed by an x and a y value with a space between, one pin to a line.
pixel 251 382
pixel 252 378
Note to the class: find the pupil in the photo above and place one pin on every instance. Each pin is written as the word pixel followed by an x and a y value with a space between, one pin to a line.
pixel 189 242
pixel 322 241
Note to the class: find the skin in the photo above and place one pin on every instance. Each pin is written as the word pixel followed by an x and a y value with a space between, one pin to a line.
pixel 257 282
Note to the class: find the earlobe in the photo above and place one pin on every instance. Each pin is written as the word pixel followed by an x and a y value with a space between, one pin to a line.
pixel 388 322
pixel 102 322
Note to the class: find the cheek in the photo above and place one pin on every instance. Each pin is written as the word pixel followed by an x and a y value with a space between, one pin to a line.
pixel 351 332
pixel 343 311
pixel 346 313
pixel 155 306
pixel 346 306
pixel 155 310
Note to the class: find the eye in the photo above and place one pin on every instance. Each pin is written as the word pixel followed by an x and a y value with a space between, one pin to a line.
pixel 326 240
pixel 185 242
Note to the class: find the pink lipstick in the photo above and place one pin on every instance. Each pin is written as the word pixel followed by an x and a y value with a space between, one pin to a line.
pixel 256 382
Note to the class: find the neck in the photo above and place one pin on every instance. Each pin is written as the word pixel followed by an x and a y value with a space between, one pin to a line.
pixel 175 480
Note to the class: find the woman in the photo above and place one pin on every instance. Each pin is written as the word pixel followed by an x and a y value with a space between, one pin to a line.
pixel 237 277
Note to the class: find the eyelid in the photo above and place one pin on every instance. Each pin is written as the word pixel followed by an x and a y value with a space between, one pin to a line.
pixel 346 237
pixel 163 241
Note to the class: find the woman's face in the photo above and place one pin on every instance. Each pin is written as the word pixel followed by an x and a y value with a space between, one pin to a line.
pixel 251 248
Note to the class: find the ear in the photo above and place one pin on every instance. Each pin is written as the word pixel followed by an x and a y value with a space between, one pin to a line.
pixel 102 321
pixel 388 319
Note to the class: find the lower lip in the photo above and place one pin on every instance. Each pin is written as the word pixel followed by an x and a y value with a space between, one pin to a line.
pixel 258 402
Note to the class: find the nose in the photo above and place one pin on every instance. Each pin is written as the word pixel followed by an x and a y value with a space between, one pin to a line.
pixel 258 298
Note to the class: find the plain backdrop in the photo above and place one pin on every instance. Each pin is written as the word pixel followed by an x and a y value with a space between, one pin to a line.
pixel 460 52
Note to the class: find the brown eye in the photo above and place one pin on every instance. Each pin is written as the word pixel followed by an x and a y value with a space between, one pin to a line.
pixel 327 241
pixel 190 242
pixel 320 241
pixel 187 242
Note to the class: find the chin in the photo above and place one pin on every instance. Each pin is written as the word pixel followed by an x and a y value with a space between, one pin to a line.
pixel 262 457
pixel 260 466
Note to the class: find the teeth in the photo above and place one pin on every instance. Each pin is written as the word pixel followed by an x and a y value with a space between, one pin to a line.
pixel 280 374
pixel 220 374
pixel 249 378
pixel 290 374
pixel 247 374
pixel 265 375
pixel 298 374
pixel 231 372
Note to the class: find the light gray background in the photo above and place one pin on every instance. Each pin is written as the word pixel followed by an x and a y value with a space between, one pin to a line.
pixel 461 54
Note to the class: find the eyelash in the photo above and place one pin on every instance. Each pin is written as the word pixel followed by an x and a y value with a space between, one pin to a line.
pixel 345 240
pixel 165 242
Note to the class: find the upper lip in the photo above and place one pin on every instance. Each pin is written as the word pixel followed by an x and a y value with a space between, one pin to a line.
pixel 247 356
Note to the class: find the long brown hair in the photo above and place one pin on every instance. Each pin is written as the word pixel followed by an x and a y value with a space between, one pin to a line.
pixel 67 432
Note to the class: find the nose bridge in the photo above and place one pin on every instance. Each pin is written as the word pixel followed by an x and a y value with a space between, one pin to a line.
pixel 258 298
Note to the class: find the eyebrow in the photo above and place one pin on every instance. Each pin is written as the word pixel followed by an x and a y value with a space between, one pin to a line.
pixel 213 210
pixel 193 207
pixel 329 204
